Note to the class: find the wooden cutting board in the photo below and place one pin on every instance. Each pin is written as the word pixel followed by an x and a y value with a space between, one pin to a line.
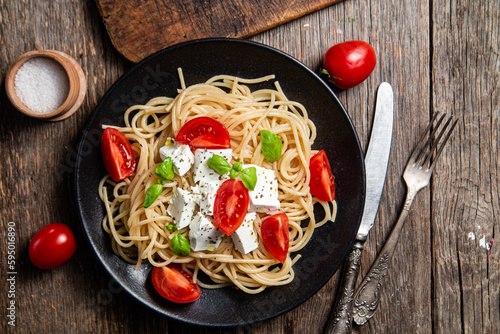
pixel 138 28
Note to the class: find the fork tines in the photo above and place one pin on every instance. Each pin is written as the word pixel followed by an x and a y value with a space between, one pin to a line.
pixel 427 151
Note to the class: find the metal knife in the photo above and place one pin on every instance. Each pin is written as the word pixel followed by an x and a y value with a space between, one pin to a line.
pixel 377 157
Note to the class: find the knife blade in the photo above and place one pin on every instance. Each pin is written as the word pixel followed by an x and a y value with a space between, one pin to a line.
pixel 376 160
pixel 377 156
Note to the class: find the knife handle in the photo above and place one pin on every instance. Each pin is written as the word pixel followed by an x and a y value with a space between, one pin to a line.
pixel 341 320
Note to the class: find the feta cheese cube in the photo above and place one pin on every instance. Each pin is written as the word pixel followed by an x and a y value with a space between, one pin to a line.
pixel 182 157
pixel 203 234
pixel 182 208
pixel 264 197
pixel 204 195
pixel 201 172
pixel 244 238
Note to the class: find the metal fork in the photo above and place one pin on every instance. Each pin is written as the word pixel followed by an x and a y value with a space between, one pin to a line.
pixel 417 175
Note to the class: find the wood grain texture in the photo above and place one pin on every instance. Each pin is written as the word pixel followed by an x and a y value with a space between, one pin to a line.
pixel 439 56
pixel 139 28
pixel 466 207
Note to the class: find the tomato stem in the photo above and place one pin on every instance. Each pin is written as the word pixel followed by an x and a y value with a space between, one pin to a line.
pixel 324 72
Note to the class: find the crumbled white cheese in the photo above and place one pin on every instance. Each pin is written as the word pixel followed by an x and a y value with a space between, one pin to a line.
pixel 203 234
pixel 182 157
pixel 245 239
pixel 264 197
pixel 182 208
pixel 201 172
pixel 205 196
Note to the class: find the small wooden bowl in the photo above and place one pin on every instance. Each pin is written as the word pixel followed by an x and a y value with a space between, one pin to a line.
pixel 76 91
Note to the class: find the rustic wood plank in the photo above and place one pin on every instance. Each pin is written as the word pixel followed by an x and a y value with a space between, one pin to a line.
pixel 401 36
pixel 465 211
pixel 140 28
pixel 37 165
pixel 396 49
pixel 317 34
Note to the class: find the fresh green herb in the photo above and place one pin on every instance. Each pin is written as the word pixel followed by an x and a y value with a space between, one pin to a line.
pixel 161 181
pixel 219 164
pixel 180 245
pixel 152 194
pixel 221 167
pixel 233 173
pixel 249 177
pixel 237 166
pixel 166 169
pixel 271 145
pixel 171 227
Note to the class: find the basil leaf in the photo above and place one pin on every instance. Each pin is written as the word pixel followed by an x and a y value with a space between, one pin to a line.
pixel 166 169
pixel 271 145
pixel 180 245
pixel 233 174
pixel 237 166
pixel 171 227
pixel 219 164
pixel 152 194
pixel 249 177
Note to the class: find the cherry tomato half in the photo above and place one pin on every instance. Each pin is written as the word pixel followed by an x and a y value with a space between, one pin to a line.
pixel 275 235
pixel 175 284
pixel 322 183
pixel 204 132
pixel 52 246
pixel 349 63
pixel 230 205
pixel 117 154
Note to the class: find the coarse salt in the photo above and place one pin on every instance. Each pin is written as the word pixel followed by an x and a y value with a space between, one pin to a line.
pixel 41 84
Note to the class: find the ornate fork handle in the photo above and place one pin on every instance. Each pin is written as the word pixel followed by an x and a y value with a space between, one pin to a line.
pixel 417 175
pixel 367 297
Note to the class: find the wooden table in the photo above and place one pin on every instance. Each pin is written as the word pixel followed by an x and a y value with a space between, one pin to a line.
pixel 438 55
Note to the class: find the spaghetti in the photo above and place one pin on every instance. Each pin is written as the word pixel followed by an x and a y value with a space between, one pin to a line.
pixel 138 234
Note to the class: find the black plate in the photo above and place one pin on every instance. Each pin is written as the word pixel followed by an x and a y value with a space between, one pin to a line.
pixel 200 60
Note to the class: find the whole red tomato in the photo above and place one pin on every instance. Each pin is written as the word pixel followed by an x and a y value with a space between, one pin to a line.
pixel 349 63
pixel 52 246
